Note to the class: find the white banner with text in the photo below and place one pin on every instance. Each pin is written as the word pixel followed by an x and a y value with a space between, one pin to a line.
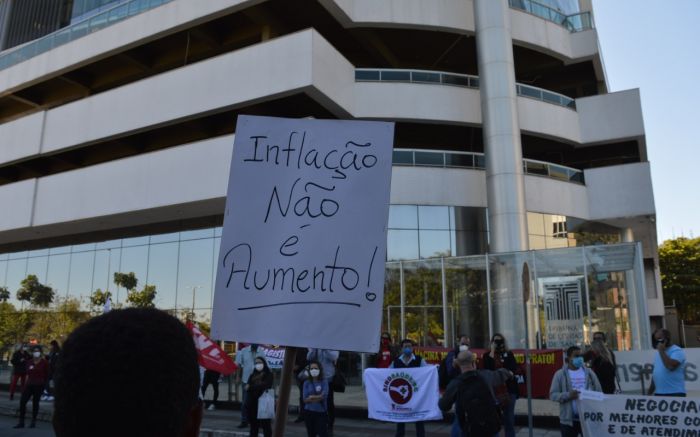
pixel 640 416
pixel 403 395
pixel 634 367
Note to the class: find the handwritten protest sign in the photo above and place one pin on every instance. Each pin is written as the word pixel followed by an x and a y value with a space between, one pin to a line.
pixel 639 416
pixel 304 238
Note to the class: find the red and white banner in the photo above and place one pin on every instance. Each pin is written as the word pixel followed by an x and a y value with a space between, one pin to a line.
pixel 403 395
pixel 211 356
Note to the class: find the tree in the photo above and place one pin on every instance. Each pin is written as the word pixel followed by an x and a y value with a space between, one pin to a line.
pixel 4 294
pixel 14 326
pixel 679 262
pixel 34 292
pixel 64 317
pixel 98 298
pixel 126 280
pixel 143 298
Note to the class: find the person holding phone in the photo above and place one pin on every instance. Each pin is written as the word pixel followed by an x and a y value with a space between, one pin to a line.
pixel 668 378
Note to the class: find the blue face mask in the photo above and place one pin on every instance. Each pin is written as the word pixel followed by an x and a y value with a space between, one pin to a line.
pixel 577 362
pixel 407 351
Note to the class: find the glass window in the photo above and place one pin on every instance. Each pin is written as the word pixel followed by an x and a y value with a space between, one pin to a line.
pixel 465 280
pixel 162 272
pixel 135 259
pixel 459 160
pixel 80 282
pixel 197 234
pixel 434 243
pixel 400 76
pixel 102 277
pixel 479 161
pixel 18 255
pixel 538 168
pixel 529 92
pixel 430 158
pixel 37 266
pixel 420 76
pixel 402 244
pixel 3 272
pixel 83 247
pixel 465 218
pixel 218 231
pixel 136 241
pixel 59 268
pixel 366 75
pixel 452 79
pixel 40 252
pixel 59 250
pixel 402 157
pixel 537 242
pixel 423 287
pixel 195 270
pixel 16 272
pixel 403 216
pixel 468 243
pixel 111 244
pixel 535 223
pixel 433 217
pixel 165 238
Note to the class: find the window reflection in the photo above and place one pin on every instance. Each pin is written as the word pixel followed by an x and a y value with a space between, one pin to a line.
pixel 403 217
pixel 402 244
pixel 434 244
pixel 433 217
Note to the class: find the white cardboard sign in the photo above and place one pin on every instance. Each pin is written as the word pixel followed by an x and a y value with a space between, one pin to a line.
pixel 304 238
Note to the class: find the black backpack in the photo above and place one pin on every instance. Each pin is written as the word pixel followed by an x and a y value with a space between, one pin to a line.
pixel 476 409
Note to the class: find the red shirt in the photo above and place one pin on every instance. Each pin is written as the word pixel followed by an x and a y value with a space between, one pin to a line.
pixel 384 358
pixel 37 373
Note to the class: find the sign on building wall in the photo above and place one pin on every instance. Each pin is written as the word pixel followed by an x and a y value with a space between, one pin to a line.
pixel 562 309
pixel 304 238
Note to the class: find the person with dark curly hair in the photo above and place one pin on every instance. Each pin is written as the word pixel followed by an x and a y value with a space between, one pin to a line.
pixel 130 372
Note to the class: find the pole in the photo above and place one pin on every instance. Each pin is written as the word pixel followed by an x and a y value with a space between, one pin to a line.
pixel 285 387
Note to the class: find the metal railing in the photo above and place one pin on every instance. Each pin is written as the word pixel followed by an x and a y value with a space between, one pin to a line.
pixel 77 30
pixel 476 160
pixel 455 79
pixel 573 23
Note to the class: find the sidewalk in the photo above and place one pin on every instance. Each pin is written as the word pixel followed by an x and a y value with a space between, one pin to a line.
pixel 222 423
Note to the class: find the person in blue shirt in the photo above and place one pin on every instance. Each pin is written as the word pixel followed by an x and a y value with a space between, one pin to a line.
pixel 315 397
pixel 328 359
pixel 668 378
pixel 408 359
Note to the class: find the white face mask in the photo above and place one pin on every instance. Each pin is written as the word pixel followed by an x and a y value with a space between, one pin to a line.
pixel 259 367
pixel 36 354
pixel 463 347
pixel 315 372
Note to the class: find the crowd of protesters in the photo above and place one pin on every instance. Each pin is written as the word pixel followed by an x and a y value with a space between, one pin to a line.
pixel 489 393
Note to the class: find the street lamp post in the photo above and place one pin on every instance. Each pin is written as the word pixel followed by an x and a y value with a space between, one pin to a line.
pixel 194 290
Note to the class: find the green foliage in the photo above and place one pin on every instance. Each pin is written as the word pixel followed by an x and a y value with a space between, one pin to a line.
pixel 4 294
pixel 143 298
pixel 126 280
pixel 34 292
pixel 64 316
pixel 14 326
pixel 98 298
pixel 679 262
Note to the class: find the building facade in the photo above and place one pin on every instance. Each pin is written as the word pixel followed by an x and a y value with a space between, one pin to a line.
pixel 117 126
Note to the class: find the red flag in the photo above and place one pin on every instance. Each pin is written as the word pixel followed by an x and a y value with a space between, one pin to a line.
pixel 211 356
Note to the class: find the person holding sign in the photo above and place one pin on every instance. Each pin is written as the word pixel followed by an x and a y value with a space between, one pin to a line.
pixel 408 359
pixel 315 395
pixel 567 384
pixel 260 381
pixel 668 378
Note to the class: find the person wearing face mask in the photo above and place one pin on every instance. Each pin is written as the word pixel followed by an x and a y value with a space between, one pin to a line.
pixel 259 381
pixel 408 359
pixel 567 383
pixel 448 370
pixel 19 369
pixel 37 376
pixel 499 357
pixel 315 393
pixel 328 359
pixel 668 378
pixel 245 360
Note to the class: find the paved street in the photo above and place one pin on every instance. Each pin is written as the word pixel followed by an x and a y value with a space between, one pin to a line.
pixel 43 429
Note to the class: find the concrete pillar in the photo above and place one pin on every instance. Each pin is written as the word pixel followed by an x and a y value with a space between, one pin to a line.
pixel 504 161
pixel 505 186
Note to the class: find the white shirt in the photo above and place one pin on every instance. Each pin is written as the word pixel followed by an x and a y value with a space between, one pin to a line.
pixel 578 383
